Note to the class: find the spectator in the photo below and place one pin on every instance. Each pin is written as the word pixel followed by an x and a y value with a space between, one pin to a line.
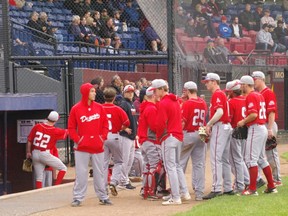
pixel 97 19
pixel 104 15
pixel 74 6
pixel 280 17
pixel 222 6
pixel 267 19
pixel 130 15
pixel 47 27
pixel 144 82
pixel 264 39
pixel 215 8
pixel 280 47
pixel 98 83
pixel 190 28
pixel 258 15
pixel 116 83
pixel 152 40
pixel 236 28
pixel 108 33
pixel 86 14
pixel 247 19
pixel 95 30
pixel 202 28
pixel 282 33
pixel 180 18
pixel 86 6
pixel 285 5
pixel 220 46
pixel 89 37
pixel 36 27
pixel 75 30
pixel 198 12
pixel 212 55
pixel 119 4
pixel 223 29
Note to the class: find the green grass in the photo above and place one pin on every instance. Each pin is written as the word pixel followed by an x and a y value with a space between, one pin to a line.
pixel 285 156
pixel 262 205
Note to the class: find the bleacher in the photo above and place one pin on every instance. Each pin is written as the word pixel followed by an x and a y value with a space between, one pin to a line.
pixel 132 40
pixel 245 45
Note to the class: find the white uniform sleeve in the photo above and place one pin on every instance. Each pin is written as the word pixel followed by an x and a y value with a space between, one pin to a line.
pixel 218 114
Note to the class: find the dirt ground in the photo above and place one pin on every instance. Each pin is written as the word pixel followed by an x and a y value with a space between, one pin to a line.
pixel 130 203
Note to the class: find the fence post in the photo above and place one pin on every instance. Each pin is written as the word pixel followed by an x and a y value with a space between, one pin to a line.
pixel 71 103
pixel 170 43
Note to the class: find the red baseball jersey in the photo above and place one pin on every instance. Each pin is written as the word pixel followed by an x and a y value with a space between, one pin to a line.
pixel 219 100
pixel 116 117
pixel 255 103
pixel 43 136
pixel 237 109
pixel 194 114
pixel 270 101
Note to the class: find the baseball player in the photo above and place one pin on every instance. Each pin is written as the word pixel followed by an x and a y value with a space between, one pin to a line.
pixel 271 114
pixel 193 116
pixel 150 148
pixel 257 134
pixel 117 120
pixel 169 132
pixel 41 140
pixel 219 129
pixel 128 139
pixel 237 110
pixel 88 128
pixel 49 171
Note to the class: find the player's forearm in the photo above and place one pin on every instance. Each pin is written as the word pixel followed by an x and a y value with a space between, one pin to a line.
pixel 271 120
pixel 218 114
pixel 251 117
pixel 28 147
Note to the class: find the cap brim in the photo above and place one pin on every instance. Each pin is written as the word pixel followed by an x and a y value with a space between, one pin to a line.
pixel 204 81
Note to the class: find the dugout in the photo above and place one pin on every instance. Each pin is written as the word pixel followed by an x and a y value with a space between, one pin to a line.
pixel 13 108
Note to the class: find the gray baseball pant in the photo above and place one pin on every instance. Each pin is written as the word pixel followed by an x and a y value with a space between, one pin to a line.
pixel 128 148
pixel 273 157
pixel 171 149
pixel 219 156
pixel 113 148
pixel 196 149
pixel 81 165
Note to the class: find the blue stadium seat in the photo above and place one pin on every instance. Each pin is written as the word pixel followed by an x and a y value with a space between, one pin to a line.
pixel 61 17
pixel 37 9
pixel 26 8
pixel 47 10
pixel 141 45
pixel 56 11
pixel 132 44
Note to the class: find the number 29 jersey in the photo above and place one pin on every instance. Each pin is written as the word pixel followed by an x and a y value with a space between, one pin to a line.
pixel 44 137
pixel 194 114
pixel 255 103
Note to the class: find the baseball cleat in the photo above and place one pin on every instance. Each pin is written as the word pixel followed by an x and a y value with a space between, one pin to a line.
pixel 129 187
pixel 212 195
pixel 185 197
pixel 278 183
pixel 75 203
pixel 172 202
pixel 113 190
pixel 105 202
pixel 260 183
pixel 270 190
pixel 166 198
pixel 249 193
pixel 232 192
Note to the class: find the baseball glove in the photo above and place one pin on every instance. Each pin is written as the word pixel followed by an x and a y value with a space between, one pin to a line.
pixel 27 165
pixel 202 133
pixel 271 143
pixel 240 132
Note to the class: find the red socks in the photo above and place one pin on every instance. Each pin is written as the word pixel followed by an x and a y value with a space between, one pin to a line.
pixel 253 171
pixel 268 174
pixel 60 177
pixel 38 184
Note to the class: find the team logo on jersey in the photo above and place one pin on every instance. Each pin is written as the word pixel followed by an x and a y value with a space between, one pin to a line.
pixel 89 118
pixel 271 103
pixel 250 105
pixel 218 100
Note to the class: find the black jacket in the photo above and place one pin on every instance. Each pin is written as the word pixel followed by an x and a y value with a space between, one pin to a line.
pixel 130 110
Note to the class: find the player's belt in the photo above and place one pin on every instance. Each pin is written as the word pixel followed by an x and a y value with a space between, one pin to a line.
pixel 189 131
pixel 42 150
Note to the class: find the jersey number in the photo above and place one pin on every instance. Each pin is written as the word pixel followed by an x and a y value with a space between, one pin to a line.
pixel 243 112
pixel 198 114
pixel 262 111
pixel 41 139
pixel 109 122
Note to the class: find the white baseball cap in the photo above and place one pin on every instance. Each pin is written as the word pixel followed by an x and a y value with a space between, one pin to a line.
pixel 128 88
pixel 258 74
pixel 149 91
pixel 158 83
pixel 211 76
pixel 247 80
pixel 233 85
pixel 53 116
pixel 190 85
